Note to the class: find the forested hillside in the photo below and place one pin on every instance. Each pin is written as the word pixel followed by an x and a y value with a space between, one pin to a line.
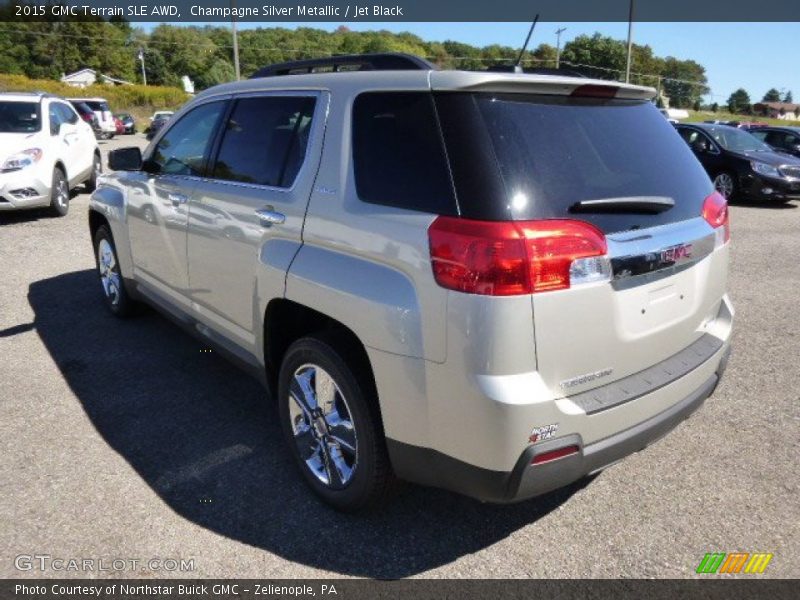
pixel 49 49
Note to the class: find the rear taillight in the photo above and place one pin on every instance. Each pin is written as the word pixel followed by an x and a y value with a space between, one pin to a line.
pixel 507 258
pixel 715 212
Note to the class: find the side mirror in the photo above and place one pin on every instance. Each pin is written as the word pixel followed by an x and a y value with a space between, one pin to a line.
pixel 125 159
pixel 55 129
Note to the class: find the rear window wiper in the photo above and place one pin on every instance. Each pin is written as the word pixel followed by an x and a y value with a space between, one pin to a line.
pixel 631 204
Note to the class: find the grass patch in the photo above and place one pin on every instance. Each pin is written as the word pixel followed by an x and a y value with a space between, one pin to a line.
pixel 707 115
pixel 138 100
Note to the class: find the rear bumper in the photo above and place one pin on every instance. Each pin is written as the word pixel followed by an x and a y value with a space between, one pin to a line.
pixel 527 480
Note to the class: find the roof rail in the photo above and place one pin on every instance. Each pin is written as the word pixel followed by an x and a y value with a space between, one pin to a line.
pixel 385 61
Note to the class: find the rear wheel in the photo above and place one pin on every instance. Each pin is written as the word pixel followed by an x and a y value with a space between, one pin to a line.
pixel 59 194
pixel 114 292
pixel 332 426
pixel 97 170
pixel 725 184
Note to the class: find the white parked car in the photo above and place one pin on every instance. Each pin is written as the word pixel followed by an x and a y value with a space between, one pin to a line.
pixel 105 118
pixel 161 114
pixel 45 150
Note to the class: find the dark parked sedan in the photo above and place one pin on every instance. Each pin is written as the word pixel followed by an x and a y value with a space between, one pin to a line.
pixel 155 126
pixel 782 139
pixel 128 122
pixel 741 165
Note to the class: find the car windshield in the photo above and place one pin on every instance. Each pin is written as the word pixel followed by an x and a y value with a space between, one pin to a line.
pixel 736 140
pixel 19 117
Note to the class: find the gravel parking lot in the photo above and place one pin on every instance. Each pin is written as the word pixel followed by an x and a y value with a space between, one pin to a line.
pixel 124 439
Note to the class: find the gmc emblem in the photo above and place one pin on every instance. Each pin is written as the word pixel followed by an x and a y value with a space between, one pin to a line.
pixel 676 253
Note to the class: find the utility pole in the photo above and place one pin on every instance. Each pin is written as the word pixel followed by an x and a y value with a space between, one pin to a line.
pixel 141 58
pixel 630 44
pixel 559 31
pixel 235 42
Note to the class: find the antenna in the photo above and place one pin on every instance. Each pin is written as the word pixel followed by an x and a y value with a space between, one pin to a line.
pixel 525 45
pixel 516 67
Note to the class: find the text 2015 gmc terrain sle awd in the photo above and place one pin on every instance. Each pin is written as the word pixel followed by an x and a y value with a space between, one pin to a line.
pixel 488 282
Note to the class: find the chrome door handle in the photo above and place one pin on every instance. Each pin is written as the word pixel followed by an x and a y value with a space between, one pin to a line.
pixel 177 199
pixel 268 217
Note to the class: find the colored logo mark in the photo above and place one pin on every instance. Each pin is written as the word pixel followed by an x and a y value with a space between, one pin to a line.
pixel 735 562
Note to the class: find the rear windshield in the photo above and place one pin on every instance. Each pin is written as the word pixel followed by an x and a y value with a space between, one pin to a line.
pixel 516 156
pixel 94 105
pixel 19 117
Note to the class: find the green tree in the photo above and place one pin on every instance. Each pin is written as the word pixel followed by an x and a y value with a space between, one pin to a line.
pixel 597 56
pixel 739 102
pixel 715 107
pixel 684 82
pixel 772 95
pixel 787 97
pixel 543 56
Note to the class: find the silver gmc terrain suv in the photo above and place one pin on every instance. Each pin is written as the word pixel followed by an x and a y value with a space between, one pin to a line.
pixel 494 283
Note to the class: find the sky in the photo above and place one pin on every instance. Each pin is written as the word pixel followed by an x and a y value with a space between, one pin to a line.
pixel 756 56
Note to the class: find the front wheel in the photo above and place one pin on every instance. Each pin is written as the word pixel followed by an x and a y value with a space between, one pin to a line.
pixel 59 194
pixel 114 293
pixel 725 184
pixel 331 423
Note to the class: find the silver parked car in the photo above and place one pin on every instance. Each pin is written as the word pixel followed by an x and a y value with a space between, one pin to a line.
pixel 488 282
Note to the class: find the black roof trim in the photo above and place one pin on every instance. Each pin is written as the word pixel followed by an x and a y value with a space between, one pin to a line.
pixel 386 61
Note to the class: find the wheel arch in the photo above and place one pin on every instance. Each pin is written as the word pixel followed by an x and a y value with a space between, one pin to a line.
pixel 59 164
pixel 286 321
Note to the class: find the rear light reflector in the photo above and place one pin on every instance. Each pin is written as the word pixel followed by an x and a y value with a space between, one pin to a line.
pixel 554 455
pixel 507 258
pixel 715 212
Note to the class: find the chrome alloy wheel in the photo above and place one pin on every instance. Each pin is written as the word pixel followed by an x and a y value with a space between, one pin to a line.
pixel 723 183
pixel 322 426
pixel 62 193
pixel 109 275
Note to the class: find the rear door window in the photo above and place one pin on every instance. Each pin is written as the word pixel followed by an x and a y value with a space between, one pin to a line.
pixel 264 140
pixel 398 156
pixel 538 156
pixel 67 114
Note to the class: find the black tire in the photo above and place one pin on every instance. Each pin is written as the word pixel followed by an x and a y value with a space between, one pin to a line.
pixel 371 480
pixel 97 169
pixel 116 297
pixel 59 194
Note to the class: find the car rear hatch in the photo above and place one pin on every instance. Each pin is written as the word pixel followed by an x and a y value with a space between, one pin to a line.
pixel 624 235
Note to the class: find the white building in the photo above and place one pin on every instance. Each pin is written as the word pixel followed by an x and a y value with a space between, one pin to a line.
pixel 87 77
pixel 80 79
